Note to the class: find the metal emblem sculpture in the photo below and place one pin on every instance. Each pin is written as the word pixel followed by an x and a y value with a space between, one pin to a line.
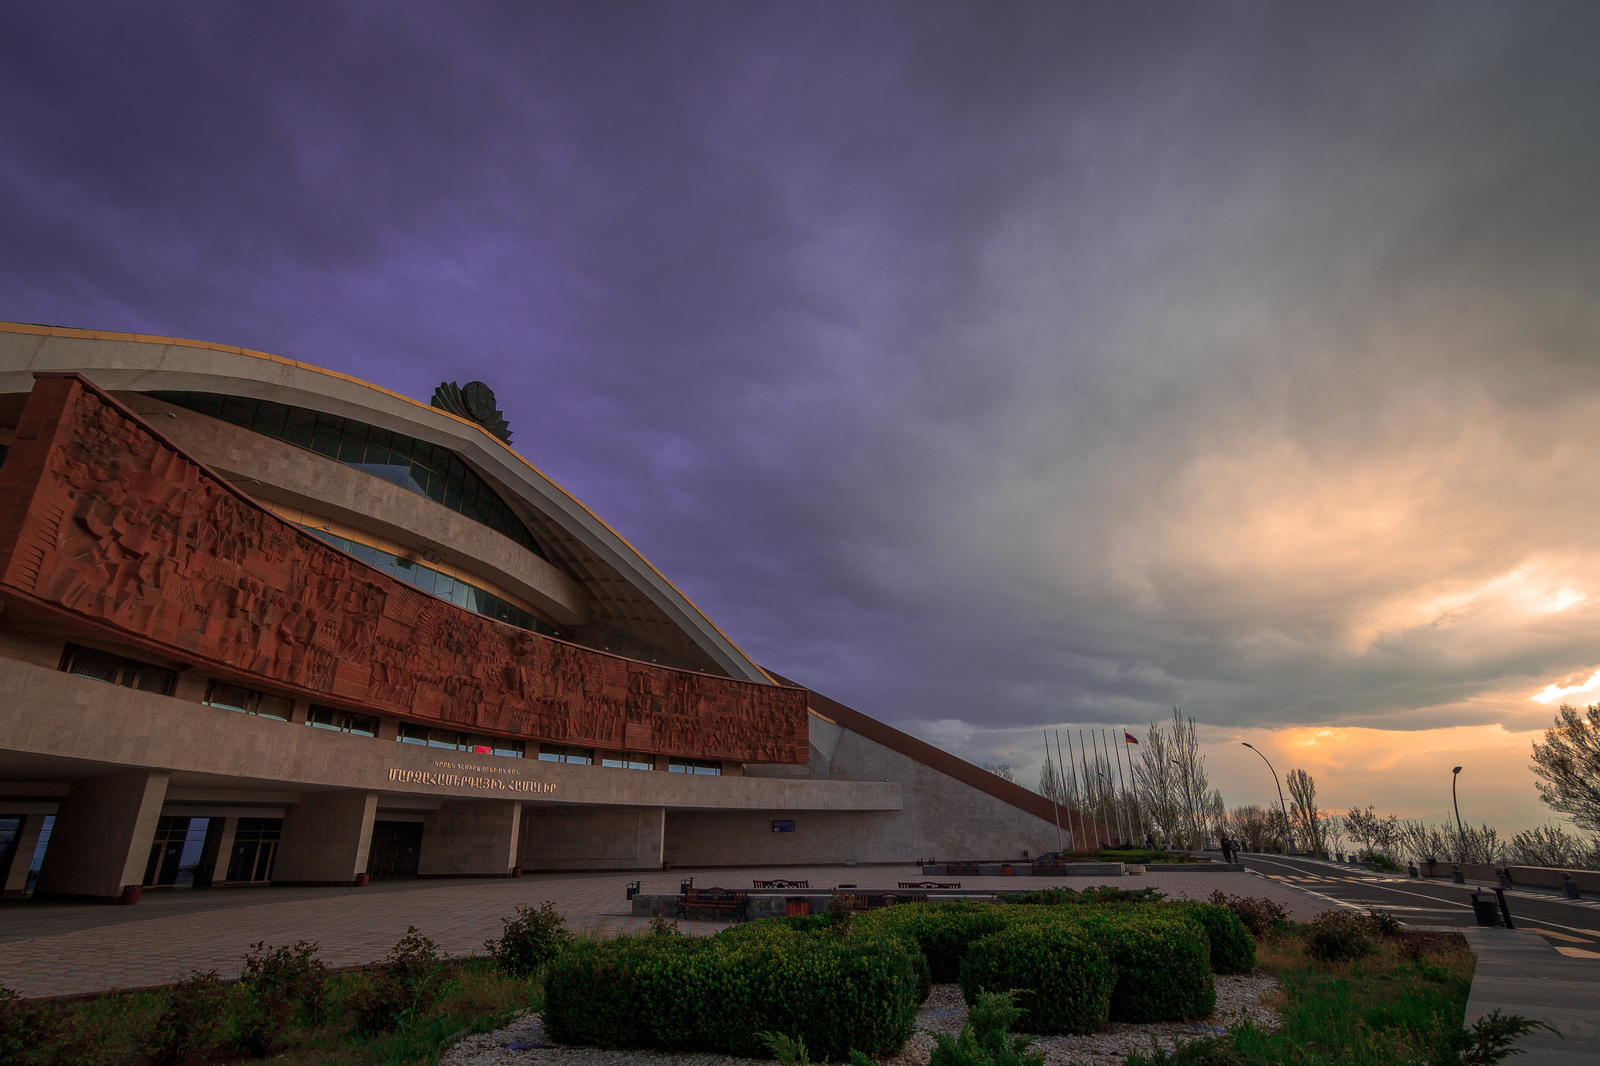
pixel 473 401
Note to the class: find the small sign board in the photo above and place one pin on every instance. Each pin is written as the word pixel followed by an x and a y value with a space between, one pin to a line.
pixel 783 825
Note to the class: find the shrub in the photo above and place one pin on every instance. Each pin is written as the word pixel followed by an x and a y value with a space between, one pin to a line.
pixel 192 1012
pixel 41 1032
pixel 986 1040
pixel 1064 979
pixel 943 931
pixel 1233 949
pixel 1202 1051
pixel 1262 916
pixel 593 993
pixel 1057 897
pixel 831 993
pixel 400 988
pixel 782 931
pixel 275 984
pixel 1336 935
pixel 1384 923
pixel 530 940
pixel 1163 963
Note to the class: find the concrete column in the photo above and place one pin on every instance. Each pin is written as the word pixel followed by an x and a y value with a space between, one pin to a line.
pixel 475 838
pixel 102 836
pixel 219 871
pixel 325 839
pixel 27 841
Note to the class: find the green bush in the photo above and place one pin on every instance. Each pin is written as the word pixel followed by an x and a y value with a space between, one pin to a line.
pixel 831 993
pixel 529 940
pixel 942 930
pixel 40 1033
pixel 1063 978
pixel 785 931
pixel 1163 962
pixel 986 1039
pixel 1336 935
pixel 1260 915
pixel 192 1013
pixel 401 988
pixel 1057 897
pixel 1233 949
pixel 276 985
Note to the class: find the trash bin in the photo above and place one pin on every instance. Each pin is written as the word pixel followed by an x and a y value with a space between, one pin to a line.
pixel 1486 911
pixel 796 906
pixel 633 888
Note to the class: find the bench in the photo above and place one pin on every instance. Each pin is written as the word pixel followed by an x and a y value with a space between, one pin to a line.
pixel 732 900
pixel 930 884
pixel 959 868
pixel 778 882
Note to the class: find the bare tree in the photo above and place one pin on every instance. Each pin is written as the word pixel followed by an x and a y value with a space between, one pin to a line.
pixel 1051 785
pixel 1303 791
pixel 1569 764
pixel 1156 780
pixel 1001 769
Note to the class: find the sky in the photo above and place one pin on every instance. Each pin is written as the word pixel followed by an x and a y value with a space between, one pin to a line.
pixel 990 367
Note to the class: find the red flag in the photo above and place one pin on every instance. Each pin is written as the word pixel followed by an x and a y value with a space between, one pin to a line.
pixel 1129 737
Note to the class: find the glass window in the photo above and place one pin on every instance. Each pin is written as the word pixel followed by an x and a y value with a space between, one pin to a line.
pixel 118 670
pixel 361 725
pixel 249 701
pixel 299 426
pixel 625 760
pixel 255 844
pixel 411 733
pixel 558 753
pixel 694 766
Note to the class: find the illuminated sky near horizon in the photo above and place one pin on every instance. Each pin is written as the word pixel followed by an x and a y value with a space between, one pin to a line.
pixel 987 367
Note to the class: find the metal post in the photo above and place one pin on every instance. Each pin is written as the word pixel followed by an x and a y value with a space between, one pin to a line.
pixel 1462 833
pixel 1284 806
pixel 1128 805
pixel 1053 801
pixel 1077 837
pixel 1083 757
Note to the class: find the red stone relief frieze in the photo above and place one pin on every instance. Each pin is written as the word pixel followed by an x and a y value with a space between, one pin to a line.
pixel 103 519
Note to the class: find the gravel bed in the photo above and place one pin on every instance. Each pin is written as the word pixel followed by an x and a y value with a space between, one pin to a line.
pixel 1238 999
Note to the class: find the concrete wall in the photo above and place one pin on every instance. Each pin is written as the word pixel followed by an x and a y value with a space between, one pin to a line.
pixel 101 840
pixel 472 839
pixel 616 838
pixel 325 839
pixel 941 817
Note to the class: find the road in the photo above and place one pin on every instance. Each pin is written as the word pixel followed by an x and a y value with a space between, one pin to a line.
pixel 1572 928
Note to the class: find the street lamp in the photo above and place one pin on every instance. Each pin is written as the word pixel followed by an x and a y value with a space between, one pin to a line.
pixel 1462 833
pixel 1275 781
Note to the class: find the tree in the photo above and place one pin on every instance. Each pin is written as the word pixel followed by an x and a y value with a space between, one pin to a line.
pixel 1569 763
pixel 1303 791
pixel 1051 787
pixel 1001 769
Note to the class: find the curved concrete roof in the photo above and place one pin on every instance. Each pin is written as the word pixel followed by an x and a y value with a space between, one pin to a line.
pixel 596 554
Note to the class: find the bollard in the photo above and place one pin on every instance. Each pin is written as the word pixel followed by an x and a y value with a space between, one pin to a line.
pixel 1569 889
pixel 1456 875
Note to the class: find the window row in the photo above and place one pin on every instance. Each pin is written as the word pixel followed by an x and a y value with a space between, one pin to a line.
pixel 130 673
pixel 449 739
pixel 441 584
pixel 426 469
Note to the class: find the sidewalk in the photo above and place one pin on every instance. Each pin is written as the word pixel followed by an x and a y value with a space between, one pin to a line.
pixel 1520 973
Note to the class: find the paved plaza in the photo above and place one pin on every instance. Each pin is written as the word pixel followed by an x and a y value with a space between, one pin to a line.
pixel 66 949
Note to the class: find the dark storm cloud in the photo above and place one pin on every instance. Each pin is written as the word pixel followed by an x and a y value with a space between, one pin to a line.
pixel 996 364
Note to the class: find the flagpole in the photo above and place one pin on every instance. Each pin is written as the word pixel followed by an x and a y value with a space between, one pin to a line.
pixel 1077 837
pixel 1073 762
pixel 1053 802
pixel 1103 742
pixel 1083 757
pixel 1123 733
pixel 1129 752
pixel 1111 783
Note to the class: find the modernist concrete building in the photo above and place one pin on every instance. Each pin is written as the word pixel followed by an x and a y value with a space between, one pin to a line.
pixel 262 622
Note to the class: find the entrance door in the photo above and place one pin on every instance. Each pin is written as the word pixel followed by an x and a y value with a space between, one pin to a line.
pixel 255 845
pixel 176 851
pixel 396 849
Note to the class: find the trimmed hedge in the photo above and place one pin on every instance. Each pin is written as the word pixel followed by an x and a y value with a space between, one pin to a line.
pixel 1163 962
pixel 1064 976
pixel 943 931
pixel 1233 949
pixel 786 930
pixel 837 994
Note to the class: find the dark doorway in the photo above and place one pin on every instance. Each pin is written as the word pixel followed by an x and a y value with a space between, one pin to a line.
pixel 176 852
pixel 255 845
pixel 396 848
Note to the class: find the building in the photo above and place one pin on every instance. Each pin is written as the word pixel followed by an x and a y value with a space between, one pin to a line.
pixel 263 622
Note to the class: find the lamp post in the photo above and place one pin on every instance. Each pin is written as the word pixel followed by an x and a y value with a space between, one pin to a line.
pixel 1460 832
pixel 1275 781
